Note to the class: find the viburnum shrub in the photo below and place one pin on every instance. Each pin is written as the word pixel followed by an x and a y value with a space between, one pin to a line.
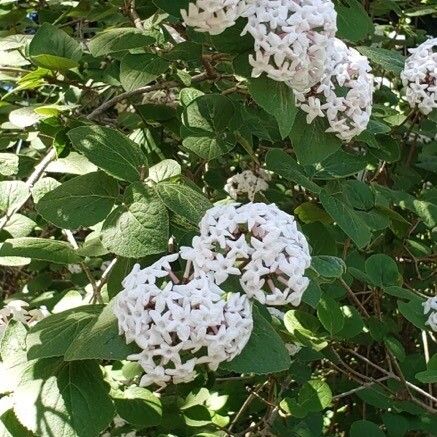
pixel 218 218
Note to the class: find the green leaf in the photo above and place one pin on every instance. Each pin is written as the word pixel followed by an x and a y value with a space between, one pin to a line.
pixel 315 395
pixel 328 266
pixel 330 314
pixel 264 353
pixel 139 406
pixel 382 270
pixel 358 194
pixel 340 165
pixel 183 200
pixel 364 428
pixel 184 51
pixel 25 117
pixel 52 336
pixel 12 194
pixel 117 40
pixel 13 356
pixel 231 40
pixel 19 226
pixel 395 346
pixel 173 7
pixel 277 99
pixel 347 219
pixel 11 427
pixel 110 150
pixel 74 163
pixel 8 164
pixel 13 344
pixel 284 165
pixel 305 328
pixel 81 201
pixel 122 268
pixel 59 399
pixel 207 121
pixel 387 148
pixel 309 213
pixel 42 187
pixel 165 169
pixel 389 60
pixel 310 141
pixel 353 323
pixel 312 294
pixel 139 70
pixel 429 376
pixel 413 312
pixel 100 340
pixel 139 227
pixel 352 20
pixel 41 249
pixel 53 49
pixel 401 293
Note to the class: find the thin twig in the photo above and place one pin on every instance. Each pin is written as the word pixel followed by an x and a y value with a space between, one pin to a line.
pixel 392 375
pixel 246 404
pixel 354 298
pixel 361 387
pixel 134 15
pixel 142 90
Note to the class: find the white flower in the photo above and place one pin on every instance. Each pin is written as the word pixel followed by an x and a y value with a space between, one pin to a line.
pixel 247 183
pixel 259 243
pixel 180 325
pixel 430 307
pixel 17 310
pixel 344 95
pixel 212 16
pixel 74 268
pixel 291 39
pixel 420 77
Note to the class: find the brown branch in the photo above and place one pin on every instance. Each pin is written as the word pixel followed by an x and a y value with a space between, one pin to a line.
pixel 136 20
pixel 354 298
pixel 142 90
pixel 392 375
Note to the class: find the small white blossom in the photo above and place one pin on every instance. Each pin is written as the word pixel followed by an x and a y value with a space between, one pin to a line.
pixel 344 95
pixel 212 16
pixel 292 38
pixel 74 268
pixel 17 310
pixel 430 308
pixel 420 77
pixel 180 324
pixel 247 183
pixel 260 244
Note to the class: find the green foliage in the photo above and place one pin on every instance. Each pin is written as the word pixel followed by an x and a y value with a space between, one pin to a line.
pixel 120 127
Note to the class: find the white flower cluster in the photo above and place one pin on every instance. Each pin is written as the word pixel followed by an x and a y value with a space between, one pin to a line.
pixel 257 242
pixel 17 310
pixel 212 16
pixel 344 95
pixel 295 43
pixel 430 307
pixel 420 76
pixel 179 325
pixel 292 39
pixel 247 182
